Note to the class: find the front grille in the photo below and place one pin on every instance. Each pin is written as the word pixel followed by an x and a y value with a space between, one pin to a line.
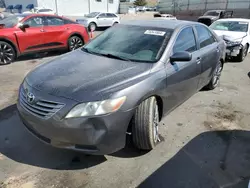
pixel 41 108
pixel 205 21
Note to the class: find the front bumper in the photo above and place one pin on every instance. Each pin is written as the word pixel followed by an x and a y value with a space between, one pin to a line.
pixel 233 51
pixel 94 135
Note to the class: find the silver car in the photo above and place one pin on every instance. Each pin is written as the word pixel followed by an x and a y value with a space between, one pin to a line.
pixel 99 19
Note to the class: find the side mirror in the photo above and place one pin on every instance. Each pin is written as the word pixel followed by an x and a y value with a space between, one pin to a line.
pixel 181 56
pixel 23 26
pixel 97 17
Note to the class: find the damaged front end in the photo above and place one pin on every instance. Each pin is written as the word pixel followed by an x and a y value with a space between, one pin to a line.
pixel 233 47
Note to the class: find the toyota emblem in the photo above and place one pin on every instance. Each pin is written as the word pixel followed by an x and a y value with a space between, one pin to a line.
pixel 30 97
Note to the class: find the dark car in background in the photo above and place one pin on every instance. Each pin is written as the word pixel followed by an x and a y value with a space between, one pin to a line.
pixel 31 33
pixel 212 15
pixel 123 81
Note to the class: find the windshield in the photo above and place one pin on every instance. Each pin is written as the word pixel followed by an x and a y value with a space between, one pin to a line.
pixel 11 21
pixel 92 14
pixel 135 43
pixel 230 26
pixel 212 13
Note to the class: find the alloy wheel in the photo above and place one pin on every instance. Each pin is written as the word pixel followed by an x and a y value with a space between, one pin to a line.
pixel 156 124
pixel 75 43
pixel 6 53
pixel 217 74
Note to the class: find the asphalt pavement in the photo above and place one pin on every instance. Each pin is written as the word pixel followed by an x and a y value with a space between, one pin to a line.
pixel 204 142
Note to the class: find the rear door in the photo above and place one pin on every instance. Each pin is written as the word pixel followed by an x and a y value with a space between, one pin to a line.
pixel 111 18
pixel 31 39
pixel 55 32
pixel 183 77
pixel 210 53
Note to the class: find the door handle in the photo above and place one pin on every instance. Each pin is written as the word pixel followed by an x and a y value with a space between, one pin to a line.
pixel 42 30
pixel 198 60
pixel 66 28
pixel 217 49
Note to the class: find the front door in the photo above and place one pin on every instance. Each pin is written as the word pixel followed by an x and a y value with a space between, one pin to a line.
pixel 102 20
pixel 31 39
pixel 182 77
pixel 54 32
pixel 210 54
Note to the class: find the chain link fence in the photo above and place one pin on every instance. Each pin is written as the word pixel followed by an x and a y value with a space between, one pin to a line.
pixel 191 9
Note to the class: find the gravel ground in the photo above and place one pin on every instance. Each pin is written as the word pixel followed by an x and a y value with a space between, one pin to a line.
pixel 204 143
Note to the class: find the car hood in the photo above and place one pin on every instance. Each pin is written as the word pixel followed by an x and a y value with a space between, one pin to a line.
pixel 230 35
pixel 86 77
pixel 208 17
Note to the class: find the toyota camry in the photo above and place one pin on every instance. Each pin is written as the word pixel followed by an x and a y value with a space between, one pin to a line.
pixel 124 81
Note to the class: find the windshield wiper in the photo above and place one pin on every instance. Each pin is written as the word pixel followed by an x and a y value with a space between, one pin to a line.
pixel 116 57
pixel 89 51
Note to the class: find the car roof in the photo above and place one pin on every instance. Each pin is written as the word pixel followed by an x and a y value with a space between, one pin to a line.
pixel 235 19
pixel 34 14
pixel 170 24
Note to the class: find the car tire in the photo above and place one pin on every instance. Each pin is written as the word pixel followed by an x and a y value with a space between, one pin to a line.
pixel 92 26
pixel 243 54
pixel 145 125
pixel 214 82
pixel 115 23
pixel 75 42
pixel 7 53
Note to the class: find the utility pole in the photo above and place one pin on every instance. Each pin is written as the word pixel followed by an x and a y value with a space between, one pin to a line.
pixel 107 5
pixel 56 7
pixel 89 5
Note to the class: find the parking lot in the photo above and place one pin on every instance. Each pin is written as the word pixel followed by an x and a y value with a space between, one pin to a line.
pixel 204 143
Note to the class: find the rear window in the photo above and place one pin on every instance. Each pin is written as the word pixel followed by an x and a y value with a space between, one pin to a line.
pixel 135 43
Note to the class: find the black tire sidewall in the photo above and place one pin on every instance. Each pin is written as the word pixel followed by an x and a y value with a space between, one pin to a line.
pixel 143 131
pixel 242 56
pixel 13 51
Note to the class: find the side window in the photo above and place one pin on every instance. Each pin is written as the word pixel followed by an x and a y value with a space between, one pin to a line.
pixel 205 37
pixel 102 15
pixel 66 21
pixel 35 22
pixel 109 15
pixel 185 41
pixel 54 21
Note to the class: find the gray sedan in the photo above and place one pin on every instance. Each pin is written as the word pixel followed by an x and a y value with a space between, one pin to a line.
pixel 124 81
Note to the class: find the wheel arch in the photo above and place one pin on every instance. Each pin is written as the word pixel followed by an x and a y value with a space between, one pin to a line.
pixel 159 101
pixel 78 35
pixel 12 44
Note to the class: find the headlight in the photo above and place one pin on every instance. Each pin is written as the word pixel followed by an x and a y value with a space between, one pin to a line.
pixel 233 43
pixel 96 108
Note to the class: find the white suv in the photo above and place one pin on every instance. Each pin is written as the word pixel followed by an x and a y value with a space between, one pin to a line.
pixel 99 19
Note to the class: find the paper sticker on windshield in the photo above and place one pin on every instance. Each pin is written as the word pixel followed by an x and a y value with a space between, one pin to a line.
pixel 242 22
pixel 153 32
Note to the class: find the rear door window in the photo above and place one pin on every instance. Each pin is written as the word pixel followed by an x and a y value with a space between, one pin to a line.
pixel 109 15
pixel 205 37
pixel 54 21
